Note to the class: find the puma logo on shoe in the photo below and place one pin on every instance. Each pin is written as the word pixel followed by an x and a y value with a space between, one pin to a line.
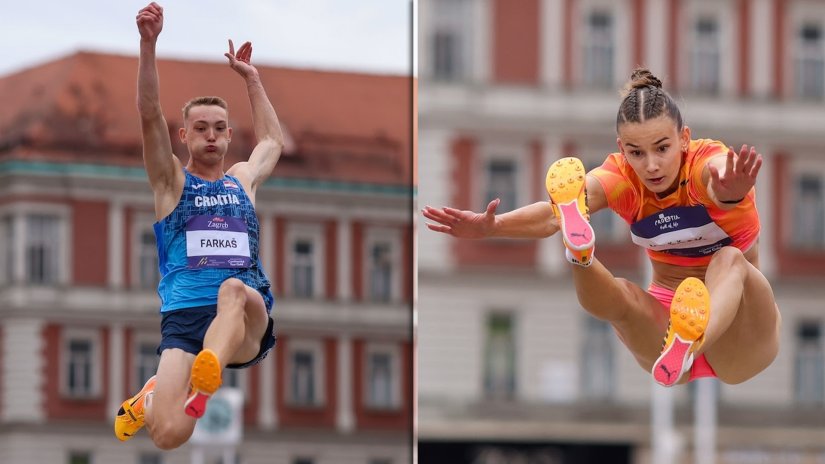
pixel 583 235
pixel 664 368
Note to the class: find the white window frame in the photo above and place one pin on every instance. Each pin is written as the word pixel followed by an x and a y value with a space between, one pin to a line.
pixel 517 152
pixel 138 339
pixel 801 165
pixel 67 335
pixel 393 351
pixel 594 327
pixel 700 46
pixel 316 347
pixel 620 15
pixel 19 212
pixel 374 236
pixel 727 22
pixel 812 55
pixel 142 222
pixel 514 321
pixel 7 250
pixel 458 26
pixel 801 13
pixel 590 43
pixel 798 345
pixel 313 233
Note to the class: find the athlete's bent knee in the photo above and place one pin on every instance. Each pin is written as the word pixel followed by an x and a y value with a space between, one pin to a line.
pixel 727 256
pixel 233 288
pixel 168 437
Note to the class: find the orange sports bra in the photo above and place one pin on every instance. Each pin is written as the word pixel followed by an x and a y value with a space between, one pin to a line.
pixel 686 227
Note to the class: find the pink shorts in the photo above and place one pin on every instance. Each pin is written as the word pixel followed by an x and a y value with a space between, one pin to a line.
pixel 701 367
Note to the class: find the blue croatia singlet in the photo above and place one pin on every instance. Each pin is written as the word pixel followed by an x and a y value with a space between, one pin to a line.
pixel 211 235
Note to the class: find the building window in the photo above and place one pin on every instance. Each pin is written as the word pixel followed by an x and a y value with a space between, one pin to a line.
pixel 306 374
pixel 381 258
pixel 148 272
pixel 7 250
pixel 303 271
pixel 79 457
pixel 705 56
pixel 381 272
pixel 500 357
pixel 305 259
pixel 810 364
pixel 303 460
pixel 79 379
pixel 382 377
pixel 303 378
pixel 502 183
pixel 447 59
pixel 810 62
pixel 597 360
pixel 809 211
pixel 80 361
pixel 450 40
pixel 150 458
pixel 146 363
pixel 42 249
pixel 598 50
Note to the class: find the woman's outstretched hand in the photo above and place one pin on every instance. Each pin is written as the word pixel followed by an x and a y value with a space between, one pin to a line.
pixel 462 223
pixel 739 175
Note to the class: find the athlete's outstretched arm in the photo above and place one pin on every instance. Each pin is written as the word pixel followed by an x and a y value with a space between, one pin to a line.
pixel 730 177
pixel 536 220
pixel 531 221
pixel 162 167
pixel 267 128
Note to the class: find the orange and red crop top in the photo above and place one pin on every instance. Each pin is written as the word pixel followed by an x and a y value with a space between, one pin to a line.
pixel 686 227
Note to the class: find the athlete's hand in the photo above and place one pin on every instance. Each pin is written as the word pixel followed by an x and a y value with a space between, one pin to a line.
pixel 462 224
pixel 150 21
pixel 240 61
pixel 739 175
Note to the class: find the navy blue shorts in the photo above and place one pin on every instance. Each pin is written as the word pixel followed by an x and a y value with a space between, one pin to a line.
pixel 186 328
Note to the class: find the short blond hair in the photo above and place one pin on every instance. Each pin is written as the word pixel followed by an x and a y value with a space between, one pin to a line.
pixel 204 101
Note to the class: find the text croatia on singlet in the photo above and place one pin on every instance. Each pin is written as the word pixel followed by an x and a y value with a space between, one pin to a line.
pixel 216 200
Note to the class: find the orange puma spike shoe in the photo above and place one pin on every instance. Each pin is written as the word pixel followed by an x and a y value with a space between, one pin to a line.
pixel 565 183
pixel 205 380
pixel 689 315
pixel 130 416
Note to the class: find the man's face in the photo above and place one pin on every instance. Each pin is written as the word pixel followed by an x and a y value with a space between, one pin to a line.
pixel 206 133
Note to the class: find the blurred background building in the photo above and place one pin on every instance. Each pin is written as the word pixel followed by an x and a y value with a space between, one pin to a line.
pixel 78 263
pixel 511 369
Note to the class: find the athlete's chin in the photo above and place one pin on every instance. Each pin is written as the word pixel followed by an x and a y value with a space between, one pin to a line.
pixel 657 185
pixel 210 157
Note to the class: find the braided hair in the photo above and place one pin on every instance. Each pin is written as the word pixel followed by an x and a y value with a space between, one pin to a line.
pixel 643 99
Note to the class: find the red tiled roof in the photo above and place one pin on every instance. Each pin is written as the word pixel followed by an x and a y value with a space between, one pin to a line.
pixel 345 126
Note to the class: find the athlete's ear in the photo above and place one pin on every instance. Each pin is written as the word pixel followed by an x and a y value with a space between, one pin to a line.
pixel 228 134
pixel 182 134
pixel 619 143
pixel 684 137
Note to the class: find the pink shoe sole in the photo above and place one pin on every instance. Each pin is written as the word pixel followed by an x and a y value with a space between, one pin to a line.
pixel 673 363
pixel 577 231
pixel 196 405
pixel 205 379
